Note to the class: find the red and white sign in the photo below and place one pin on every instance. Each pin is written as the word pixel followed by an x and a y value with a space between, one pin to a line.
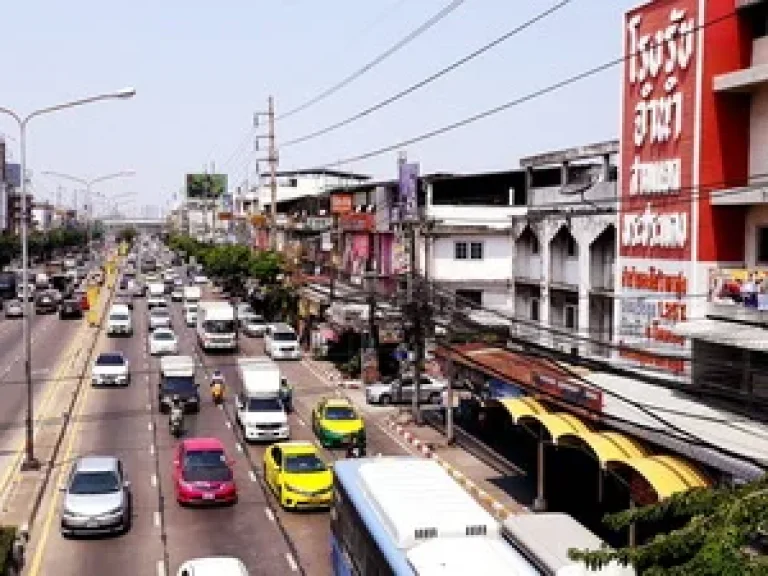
pixel 658 138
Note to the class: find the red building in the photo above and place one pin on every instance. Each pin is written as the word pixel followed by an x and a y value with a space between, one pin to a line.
pixel 694 128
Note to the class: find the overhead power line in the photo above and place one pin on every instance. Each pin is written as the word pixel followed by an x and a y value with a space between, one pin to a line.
pixel 376 61
pixel 428 80
pixel 573 79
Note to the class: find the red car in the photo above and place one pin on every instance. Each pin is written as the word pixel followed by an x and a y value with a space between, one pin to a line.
pixel 202 473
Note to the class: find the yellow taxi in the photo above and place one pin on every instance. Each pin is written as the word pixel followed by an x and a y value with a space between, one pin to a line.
pixel 336 422
pixel 297 475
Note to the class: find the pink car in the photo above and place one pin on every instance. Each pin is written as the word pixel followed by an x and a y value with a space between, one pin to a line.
pixel 202 473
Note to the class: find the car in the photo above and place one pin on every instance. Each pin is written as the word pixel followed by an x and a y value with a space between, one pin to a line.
pixel 159 317
pixel 202 473
pixel 200 279
pixel 401 391
pixel 335 422
pixel 254 325
pixel 97 497
pixel 163 341
pixel 111 368
pixel 177 295
pixel 127 302
pixel 30 292
pixel 213 566
pixel 70 308
pixel 178 282
pixel 297 475
pixel 14 309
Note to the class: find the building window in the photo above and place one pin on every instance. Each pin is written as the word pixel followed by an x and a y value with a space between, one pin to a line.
pixel 570 247
pixel 534 245
pixel 535 309
pixel 476 251
pixel 460 251
pixel 762 244
pixel 571 317
pixel 469 297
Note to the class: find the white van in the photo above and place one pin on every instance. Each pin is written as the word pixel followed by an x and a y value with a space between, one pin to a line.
pixel 260 411
pixel 281 342
pixel 119 321
pixel 216 326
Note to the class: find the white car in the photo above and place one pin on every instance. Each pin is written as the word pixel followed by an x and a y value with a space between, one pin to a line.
pixel 190 315
pixel 159 317
pixel 163 341
pixel 177 295
pixel 253 325
pixel 215 566
pixel 281 342
pixel 111 369
pixel 200 279
pixel 156 301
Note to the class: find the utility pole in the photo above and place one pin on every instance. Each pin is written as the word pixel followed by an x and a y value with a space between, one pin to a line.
pixel 272 174
pixel 212 200
pixel 372 274
pixel 334 225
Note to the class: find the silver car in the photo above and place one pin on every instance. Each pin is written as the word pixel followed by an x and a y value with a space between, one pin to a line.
pixel 401 391
pixel 14 309
pixel 97 498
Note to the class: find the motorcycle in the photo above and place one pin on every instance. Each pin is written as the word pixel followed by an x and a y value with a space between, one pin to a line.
pixel 217 392
pixel 176 422
pixel 356 451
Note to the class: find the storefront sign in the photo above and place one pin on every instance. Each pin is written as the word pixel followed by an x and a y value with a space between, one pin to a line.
pixel 341 203
pixel 571 391
pixel 357 222
pixel 259 220
pixel 739 287
pixel 390 334
pixel 319 222
pixel 656 180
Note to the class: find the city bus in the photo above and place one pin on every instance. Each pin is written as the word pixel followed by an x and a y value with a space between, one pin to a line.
pixel 406 516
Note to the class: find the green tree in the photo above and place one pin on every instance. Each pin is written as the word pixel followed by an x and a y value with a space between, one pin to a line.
pixel 719 539
pixel 231 263
pixel 266 266
pixel 127 235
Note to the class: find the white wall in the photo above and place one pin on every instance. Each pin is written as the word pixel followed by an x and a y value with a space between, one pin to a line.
pixel 495 265
pixel 491 216
pixel 758 133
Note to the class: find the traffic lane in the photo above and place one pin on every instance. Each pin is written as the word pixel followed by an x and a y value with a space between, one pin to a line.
pixel 243 529
pixel 115 422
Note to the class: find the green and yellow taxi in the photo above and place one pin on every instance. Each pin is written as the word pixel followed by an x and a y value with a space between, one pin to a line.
pixel 336 422
pixel 297 475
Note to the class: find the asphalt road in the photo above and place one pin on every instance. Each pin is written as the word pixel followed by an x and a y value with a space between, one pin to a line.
pixel 125 422
pixel 50 338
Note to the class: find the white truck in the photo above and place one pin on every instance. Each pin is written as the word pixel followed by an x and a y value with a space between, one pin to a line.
pixel 260 411
pixel 156 294
pixel 216 326
pixel 192 294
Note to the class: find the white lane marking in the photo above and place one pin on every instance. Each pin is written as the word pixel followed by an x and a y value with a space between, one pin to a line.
pixel 157 518
pixel 270 514
pixel 228 424
pixel 153 480
pixel 160 568
pixel 152 449
pixel 149 426
pixel 291 562
pixel 239 447
pixel 252 476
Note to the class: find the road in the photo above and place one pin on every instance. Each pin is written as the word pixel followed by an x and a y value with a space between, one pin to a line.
pixel 51 340
pixel 125 422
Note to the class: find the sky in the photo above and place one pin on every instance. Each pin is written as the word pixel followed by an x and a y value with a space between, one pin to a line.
pixel 202 69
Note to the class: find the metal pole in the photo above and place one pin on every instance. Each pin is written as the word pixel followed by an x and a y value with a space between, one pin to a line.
pixel 449 402
pixel 30 462
pixel 272 174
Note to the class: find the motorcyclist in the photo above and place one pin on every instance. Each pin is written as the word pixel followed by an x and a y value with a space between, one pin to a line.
pixel 356 446
pixel 286 394
pixel 217 385
pixel 177 411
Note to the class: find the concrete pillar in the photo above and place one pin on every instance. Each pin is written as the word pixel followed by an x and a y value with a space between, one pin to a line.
pixel 545 252
pixel 540 504
pixel 606 167
pixel 632 527
pixel 564 174
pixel 584 286
pixel 600 483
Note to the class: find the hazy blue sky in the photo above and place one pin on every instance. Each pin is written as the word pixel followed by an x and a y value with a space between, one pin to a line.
pixel 202 68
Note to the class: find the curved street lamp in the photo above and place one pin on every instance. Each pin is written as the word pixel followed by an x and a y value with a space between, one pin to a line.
pixel 30 462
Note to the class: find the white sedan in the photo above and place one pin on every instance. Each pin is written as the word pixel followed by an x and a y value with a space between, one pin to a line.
pixel 163 341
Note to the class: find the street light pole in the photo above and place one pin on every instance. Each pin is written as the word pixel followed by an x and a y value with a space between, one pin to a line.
pixel 30 462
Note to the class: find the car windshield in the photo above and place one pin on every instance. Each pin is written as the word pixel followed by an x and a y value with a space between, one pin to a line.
pixel 284 337
pixel 110 360
pixel 340 413
pixel 167 336
pixel 206 465
pixel 303 463
pixel 219 326
pixel 264 405
pixel 178 385
pixel 94 483
pixel 119 317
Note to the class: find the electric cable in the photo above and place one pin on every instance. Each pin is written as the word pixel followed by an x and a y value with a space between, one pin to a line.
pixel 428 80
pixel 432 21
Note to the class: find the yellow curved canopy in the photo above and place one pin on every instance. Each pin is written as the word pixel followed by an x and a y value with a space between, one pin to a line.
pixel 667 475
pixel 612 447
pixel 521 407
pixel 560 424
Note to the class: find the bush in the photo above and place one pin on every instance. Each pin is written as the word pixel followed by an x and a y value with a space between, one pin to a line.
pixel 7 537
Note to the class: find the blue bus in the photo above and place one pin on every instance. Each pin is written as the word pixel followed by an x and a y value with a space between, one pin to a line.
pixel 406 516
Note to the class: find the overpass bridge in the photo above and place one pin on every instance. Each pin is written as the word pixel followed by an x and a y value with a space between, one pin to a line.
pixel 146 225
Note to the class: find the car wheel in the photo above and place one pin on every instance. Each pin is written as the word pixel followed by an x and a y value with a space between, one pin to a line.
pixel 385 400
pixel 128 521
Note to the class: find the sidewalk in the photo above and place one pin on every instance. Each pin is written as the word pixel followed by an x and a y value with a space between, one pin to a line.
pixel 490 488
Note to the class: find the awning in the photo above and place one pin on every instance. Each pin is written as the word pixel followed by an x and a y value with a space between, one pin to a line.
pixel 559 424
pixel 522 407
pixel 667 475
pixel 724 333
pixel 613 447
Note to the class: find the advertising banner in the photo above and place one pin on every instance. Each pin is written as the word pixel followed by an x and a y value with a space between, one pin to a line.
pixel 656 175
pixel 206 186
pixel 409 186
pixel 13 175
pixel 357 222
pixel 341 203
